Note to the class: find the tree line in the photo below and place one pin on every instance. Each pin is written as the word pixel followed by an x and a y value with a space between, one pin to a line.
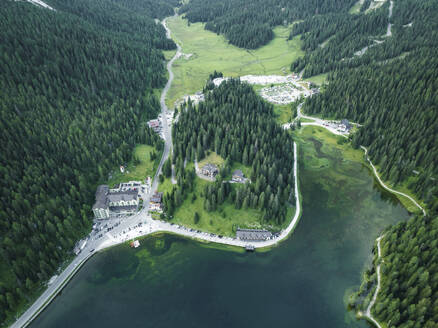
pixel 76 90
pixel 248 24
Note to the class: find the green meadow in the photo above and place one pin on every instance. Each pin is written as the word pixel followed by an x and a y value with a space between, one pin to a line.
pixel 210 52
pixel 137 171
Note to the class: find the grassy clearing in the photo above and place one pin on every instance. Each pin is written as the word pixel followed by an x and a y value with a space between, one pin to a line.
pixel 213 52
pixel 318 79
pixel 168 54
pixel 330 140
pixel 356 8
pixel 138 172
pixel 223 221
pixel 165 186
pixel 246 170
pixel 283 113
pixel 212 158
pixel 349 153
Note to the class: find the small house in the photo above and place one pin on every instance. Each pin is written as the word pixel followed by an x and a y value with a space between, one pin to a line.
pixel 155 203
pixel 210 170
pixel 347 124
pixel 238 176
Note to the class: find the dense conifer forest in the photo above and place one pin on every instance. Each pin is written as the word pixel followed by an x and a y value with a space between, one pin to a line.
pixel 392 91
pixel 76 90
pixel 239 126
pixel 248 24
pixel 408 297
pixel 391 88
pixel 77 87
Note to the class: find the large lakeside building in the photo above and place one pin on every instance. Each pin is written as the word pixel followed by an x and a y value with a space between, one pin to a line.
pixel 114 202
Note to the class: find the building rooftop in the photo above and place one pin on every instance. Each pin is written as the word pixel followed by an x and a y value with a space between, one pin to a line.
pixel 346 123
pixel 210 167
pixel 104 197
pixel 156 198
pixel 101 197
pixel 127 195
pixel 253 234
pixel 238 173
pixel 118 209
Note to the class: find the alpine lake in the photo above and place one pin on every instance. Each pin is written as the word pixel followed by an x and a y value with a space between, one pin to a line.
pixel 303 282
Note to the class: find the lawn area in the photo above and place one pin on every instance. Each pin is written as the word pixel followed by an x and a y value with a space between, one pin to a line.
pixel 318 79
pixel 138 172
pixel 246 170
pixel 330 140
pixel 212 158
pixel 168 54
pixel 223 221
pixel 213 52
pixel 283 113
pixel 165 186
pixel 356 8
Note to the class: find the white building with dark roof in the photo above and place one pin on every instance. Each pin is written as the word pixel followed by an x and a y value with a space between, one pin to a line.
pixel 155 203
pixel 110 202
pixel 210 170
pixel 238 176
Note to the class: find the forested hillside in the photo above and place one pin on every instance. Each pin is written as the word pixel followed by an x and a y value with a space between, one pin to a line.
pixel 409 286
pixel 387 80
pixel 76 90
pixel 248 24
pixel 337 41
pixel 392 91
pixel 239 126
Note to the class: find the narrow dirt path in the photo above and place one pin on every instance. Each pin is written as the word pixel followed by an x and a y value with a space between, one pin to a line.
pixel 373 301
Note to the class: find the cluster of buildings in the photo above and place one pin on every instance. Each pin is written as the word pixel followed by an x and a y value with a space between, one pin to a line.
pixel 210 170
pixel 117 201
pixel 343 127
pixel 156 126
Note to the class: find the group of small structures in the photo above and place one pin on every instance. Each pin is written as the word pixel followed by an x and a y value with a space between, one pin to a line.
pixel 195 99
pixel 210 170
pixel 120 200
pixel 157 124
pixel 343 127
pixel 283 94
